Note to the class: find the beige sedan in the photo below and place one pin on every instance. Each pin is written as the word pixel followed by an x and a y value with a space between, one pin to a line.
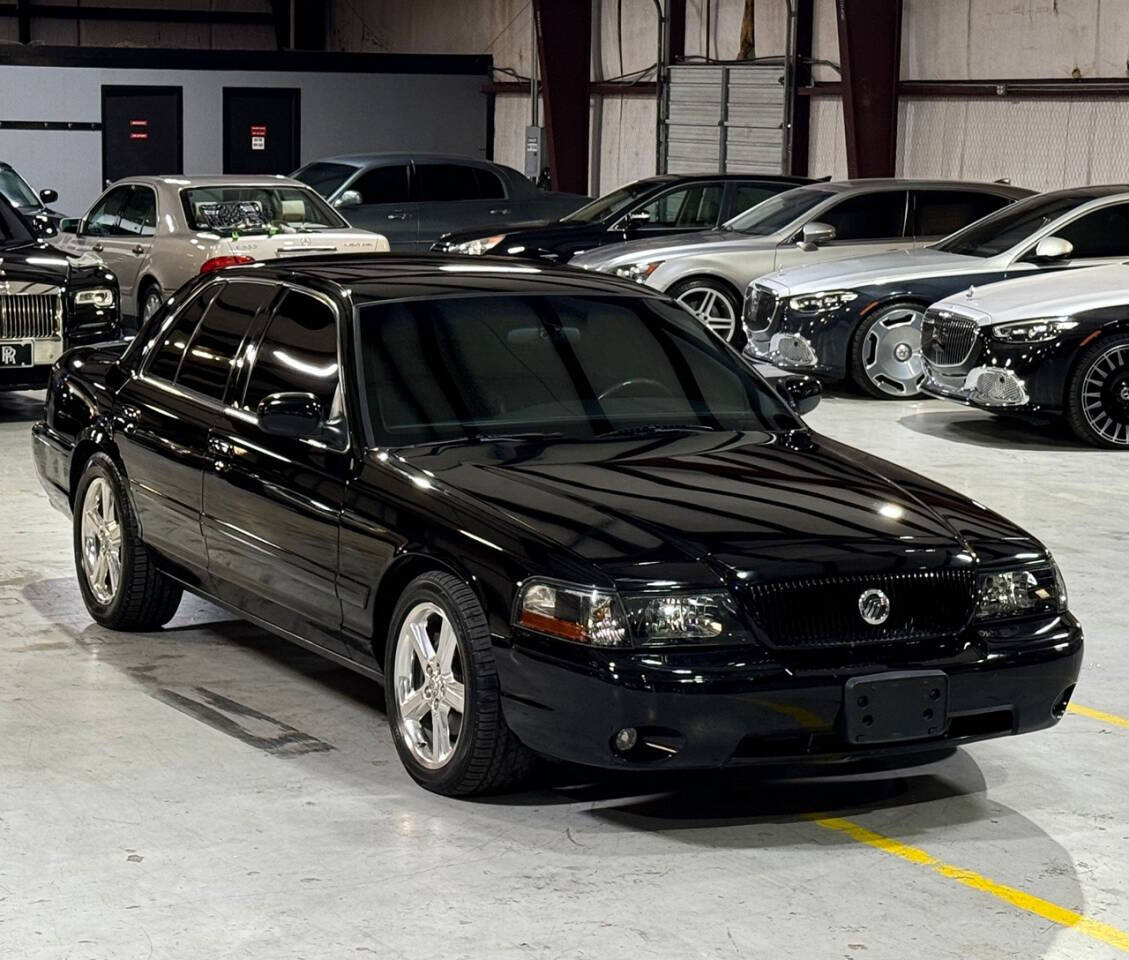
pixel 155 233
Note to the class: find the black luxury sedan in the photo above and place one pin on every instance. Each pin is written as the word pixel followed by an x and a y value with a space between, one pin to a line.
pixel 553 514
pixel 655 207
pixel 861 318
pixel 49 301
pixel 36 207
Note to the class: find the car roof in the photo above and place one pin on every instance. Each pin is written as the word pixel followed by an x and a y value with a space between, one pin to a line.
pixel 362 159
pixel 178 181
pixel 894 183
pixel 376 277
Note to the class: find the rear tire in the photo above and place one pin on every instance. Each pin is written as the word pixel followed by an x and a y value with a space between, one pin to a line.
pixel 1097 394
pixel 120 583
pixel 441 687
pixel 885 352
pixel 150 302
pixel 712 302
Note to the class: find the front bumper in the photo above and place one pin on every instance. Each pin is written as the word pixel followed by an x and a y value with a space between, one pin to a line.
pixel 698 710
pixel 805 343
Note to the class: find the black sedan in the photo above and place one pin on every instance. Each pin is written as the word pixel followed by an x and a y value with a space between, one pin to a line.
pixel 48 302
pixel 36 207
pixel 654 207
pixel 862 318
pixel 552 514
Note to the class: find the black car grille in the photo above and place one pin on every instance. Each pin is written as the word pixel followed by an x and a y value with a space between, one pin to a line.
pixel 824 612
pixel 760 307
pixel 29 316
pixel 947 340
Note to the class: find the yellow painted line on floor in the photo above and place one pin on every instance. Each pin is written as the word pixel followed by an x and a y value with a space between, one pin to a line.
pixel 1107 934
pixel 1110 718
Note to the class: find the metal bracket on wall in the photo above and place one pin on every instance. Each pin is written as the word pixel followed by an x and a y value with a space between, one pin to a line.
pixel 49 125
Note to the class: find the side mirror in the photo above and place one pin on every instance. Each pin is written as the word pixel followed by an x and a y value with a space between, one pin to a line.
pixel 814 234
pixel 802 393
pixel 293 415
pixel 1053 248
pixel 69 225
pixel 348 200
pixel 48 196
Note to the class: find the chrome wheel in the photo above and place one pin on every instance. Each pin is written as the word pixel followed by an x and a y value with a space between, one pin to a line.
pixel 101 541
pixel 1105 395
pixel 712 307
pixel 429 685
pixel 152 304
pixel 891 353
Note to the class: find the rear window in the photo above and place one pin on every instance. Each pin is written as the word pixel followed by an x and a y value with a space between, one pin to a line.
pixel 1005 228
pixel 937 213
pixel 257 209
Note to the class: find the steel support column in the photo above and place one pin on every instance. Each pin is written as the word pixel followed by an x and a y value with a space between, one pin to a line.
pixel 565 32
pixel 803 11
pixel 870 33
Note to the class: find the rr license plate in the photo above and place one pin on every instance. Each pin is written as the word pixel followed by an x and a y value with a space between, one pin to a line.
pixel 15 354
pixel 888 707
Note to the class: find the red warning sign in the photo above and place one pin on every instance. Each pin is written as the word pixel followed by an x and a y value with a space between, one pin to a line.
pixel 138 130
pixel 258 136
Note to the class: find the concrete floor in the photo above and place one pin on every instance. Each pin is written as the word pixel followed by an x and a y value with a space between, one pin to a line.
pixel 210 792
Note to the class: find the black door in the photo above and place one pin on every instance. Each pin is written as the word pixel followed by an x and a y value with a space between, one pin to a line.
pixel 142 131
pixel 260 130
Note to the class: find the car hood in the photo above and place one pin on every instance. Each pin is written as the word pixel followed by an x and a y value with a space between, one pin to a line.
pixel 1051 294
pixel 662 248
pixel 879 269
pixel 35 261
pixel 751 505
pixel 529 230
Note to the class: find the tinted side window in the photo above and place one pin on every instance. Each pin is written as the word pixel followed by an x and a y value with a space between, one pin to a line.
pixel 103 219
pixel 445 181
pixel 1103 233
pixel 871 216
pixel 698 205
pixel 139 215
pixel 383 185
pixel 490 185
pixel 749 195
pixel 208 363
pixel 938 213
pixel 298 353
pixel 174 341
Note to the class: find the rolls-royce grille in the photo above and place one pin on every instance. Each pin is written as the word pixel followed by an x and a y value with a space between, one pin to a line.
pixel 30 316
pixel 947 340
pixel 760 307
pixel 825 612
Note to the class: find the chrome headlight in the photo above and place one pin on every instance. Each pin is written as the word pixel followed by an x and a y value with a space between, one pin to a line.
pixel 605 619
pixel 637 271
pixel 1019 593
pixel 95 297
pixel 822 301
pixel 1033 331
pixel 477 246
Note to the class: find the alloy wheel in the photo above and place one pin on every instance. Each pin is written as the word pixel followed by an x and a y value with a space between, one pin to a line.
pixel 152 304
pixel 1105 395
pixel 429 685
pixel 101 541
pixel 712 307
pixel 891 353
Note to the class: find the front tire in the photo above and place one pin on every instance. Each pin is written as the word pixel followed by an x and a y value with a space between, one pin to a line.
pixel 1097 394
pixel 120 583
pixel 712 302
pixel 441 686
pixel 885 352
pixel 151 301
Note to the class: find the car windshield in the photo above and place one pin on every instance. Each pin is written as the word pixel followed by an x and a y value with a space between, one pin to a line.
pixel 247 209
pixel 610 204
pixel 777 212
pixel 581 366
pixel 1008 226
pixel 15 188
pixel 325 177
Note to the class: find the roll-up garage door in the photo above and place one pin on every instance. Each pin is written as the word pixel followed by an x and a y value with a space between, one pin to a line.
pixel 727 118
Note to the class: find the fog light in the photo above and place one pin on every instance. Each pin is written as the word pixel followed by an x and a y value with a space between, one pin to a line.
pixel 626 739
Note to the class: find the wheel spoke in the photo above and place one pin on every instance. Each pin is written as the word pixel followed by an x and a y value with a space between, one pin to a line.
pixel 421 642
pixel 414 706
pixel 447 647
pixel 113 567
pixel 107 503
pixel 453 695
pixel 440 733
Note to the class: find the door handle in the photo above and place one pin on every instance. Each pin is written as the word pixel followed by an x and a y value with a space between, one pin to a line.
pixel 139 249
pixel 220 447
pixel 398 215
pixel 98 248
pixel 500 212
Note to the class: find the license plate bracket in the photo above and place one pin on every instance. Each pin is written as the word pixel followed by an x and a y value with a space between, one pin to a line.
pixel 16 354
pixel 901 705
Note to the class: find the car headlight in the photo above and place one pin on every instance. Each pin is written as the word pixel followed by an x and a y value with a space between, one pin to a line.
pixel 95 297
pixel 1019 593
pixel 821 302
pixel 1033 331
pixel 477 246
pixel 605 619
pixel 637 271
